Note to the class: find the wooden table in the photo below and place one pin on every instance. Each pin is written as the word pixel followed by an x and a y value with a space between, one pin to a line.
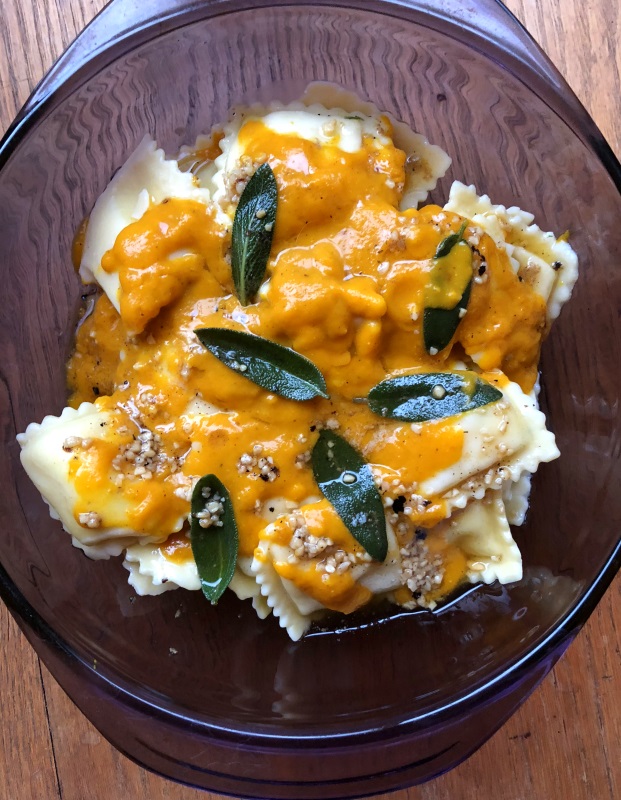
pixel 563 743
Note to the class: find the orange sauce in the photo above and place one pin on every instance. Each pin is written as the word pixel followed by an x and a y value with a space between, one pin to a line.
pixel 347 276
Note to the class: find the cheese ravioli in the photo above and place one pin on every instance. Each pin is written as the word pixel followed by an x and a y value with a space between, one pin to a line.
pixel 354 270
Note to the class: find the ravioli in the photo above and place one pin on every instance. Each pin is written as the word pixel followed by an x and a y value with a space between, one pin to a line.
pixel 48 453
pixel 425 163
pixel 502 442
pixel 352 271
pixel 515 495
pixel 94 467
pixel 327 117
pixel 546 262
pixel 146 179
pixel 482 533
pixel 154 569
pixel 476 544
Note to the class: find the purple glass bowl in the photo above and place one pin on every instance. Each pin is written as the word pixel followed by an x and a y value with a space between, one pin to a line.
pixel 215 697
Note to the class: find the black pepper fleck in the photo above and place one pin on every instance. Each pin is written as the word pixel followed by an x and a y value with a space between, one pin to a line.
pixel 399 504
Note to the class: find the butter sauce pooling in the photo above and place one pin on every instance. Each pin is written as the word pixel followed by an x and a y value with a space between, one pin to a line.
pixel 346 285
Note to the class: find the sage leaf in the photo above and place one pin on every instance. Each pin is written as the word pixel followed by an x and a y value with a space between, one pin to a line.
pixel 253 231
pixel 447 244
pixel 440 324
pixel 346 481
pixel 270 365
pixel 427 396
pixel 215 547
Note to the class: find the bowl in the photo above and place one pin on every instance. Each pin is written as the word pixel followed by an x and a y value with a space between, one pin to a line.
pixel 214 697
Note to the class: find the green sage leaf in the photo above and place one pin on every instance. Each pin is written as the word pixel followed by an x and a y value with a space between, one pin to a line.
pixel 214 547
pixel 346 481
pixel 270 365
pixel 427 396
pixel 447 244
pixel 440 324
pixel 253 231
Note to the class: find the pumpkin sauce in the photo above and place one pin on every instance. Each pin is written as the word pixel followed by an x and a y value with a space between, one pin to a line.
pixel 348 278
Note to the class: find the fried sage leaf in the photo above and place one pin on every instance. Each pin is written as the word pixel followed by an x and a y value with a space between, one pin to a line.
pixel 440 324
pixel 346 481
pixel 447 244
pixel 253 231
pixel 214 547
pixel 427 396
pixel 451 277
pixel 270 365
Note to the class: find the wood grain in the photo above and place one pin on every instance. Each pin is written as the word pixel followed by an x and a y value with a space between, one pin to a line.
pixel 563 743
